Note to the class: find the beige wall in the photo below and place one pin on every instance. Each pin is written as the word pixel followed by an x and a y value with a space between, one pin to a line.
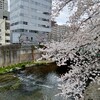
pixel 12 54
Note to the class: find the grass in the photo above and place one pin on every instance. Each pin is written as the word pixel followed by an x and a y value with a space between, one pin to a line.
pixel 18 66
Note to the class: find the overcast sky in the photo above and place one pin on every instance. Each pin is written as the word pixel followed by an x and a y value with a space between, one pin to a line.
pixel 62 17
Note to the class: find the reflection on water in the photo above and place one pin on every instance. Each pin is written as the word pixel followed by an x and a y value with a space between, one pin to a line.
pixel 34 87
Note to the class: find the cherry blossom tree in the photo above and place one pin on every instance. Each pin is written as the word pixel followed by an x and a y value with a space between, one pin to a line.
pixel 80 46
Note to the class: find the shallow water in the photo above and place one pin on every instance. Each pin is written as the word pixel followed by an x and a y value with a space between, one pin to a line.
pixel 34 87
pixel 37 86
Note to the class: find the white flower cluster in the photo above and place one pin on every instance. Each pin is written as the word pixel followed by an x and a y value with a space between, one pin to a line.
pixel 81 45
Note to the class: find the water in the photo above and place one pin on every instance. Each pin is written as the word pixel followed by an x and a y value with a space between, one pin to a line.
pixel 34 87
pixel 37 86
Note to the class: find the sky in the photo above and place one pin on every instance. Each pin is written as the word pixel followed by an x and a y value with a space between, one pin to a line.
pixel 61 19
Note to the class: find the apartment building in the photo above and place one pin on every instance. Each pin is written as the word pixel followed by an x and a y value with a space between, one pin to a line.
pixel 4 32
pixel 4 23
pixel 3 4
pixel 57 32
pixel 30 19
pixel 4 9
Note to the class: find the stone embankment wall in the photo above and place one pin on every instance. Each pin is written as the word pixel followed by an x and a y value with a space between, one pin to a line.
pixel 12 54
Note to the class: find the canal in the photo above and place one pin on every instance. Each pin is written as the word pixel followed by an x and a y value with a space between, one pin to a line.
pixel 31 86
pixel 38 84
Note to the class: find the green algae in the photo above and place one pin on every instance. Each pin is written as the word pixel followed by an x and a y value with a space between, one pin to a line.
pixel 20 66
pixel 9 82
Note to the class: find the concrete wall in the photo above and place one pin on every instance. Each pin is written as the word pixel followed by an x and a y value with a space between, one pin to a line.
pixel 12 54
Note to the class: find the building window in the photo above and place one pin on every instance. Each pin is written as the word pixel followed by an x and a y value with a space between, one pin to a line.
pixel 7 26
pixel 20 30
pixel 21 22
pixel 31 38
pixel 33 31
pixel 25 23
pixel 44 26
pixel 46 13
pixel 26 38
pixel 5 17
pixel 0 37
pixel 7 34
pixel 7 40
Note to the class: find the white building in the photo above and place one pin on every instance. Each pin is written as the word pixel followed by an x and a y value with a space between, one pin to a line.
pixel 4 4
pixel 4 32
pixel 4 9
pixel 4 23
pixel 31 18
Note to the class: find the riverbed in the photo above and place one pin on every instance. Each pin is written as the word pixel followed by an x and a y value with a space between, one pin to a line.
pixel 38 84
pixel 33 87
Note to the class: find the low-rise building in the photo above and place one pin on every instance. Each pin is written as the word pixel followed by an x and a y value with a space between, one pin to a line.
pixel 4 23
pixel 4 32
